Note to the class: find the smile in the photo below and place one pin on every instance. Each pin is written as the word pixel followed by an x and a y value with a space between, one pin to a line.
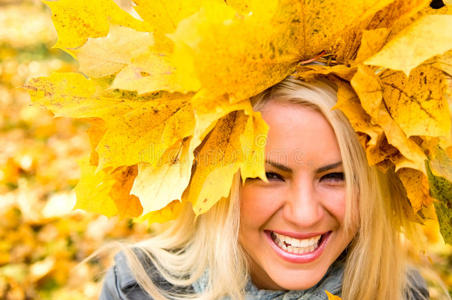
pixel 300 249
pixel 296 246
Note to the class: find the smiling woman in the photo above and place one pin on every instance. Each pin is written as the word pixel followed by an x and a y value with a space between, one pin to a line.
pixel 297 217
pixel 322 221
pixel 176 93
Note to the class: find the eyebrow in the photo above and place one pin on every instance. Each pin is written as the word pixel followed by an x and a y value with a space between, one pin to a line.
pixel 319 170
pixel 279 166
pixel 329 167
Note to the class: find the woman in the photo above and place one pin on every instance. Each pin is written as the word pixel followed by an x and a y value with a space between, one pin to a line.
pixel 324 221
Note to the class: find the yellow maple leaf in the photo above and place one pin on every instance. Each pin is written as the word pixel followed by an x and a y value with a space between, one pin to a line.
pixel 107 55
pixel 398 14
pixel 128 205
pixel 339 31
pixel 310 72
pixel 418 42
pixel 331 296
pixel 369 89
pixel 253 141
pixel 76 21
pixel 95 133
pixel 154 71
pixel 161 69
pixel 350 26
pixel 210 34
pixel 417 102
pixel 157 186
pixel 254 6
pixel 216 162
pixel 431 226
pixel 367 85
pixel 348 103
pixel 170 212
pixel 407 147
pixel 93 191
pixel 416 186
pixel 137 129
pixel 371 42
pixel 209 111
pixel 163 15
pixel 107 191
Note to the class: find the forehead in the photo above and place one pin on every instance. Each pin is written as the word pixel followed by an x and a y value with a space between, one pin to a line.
pixel 298 133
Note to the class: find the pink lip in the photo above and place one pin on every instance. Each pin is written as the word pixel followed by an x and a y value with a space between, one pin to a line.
pixel 299 258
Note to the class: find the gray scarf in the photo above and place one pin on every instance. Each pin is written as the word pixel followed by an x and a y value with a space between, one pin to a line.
pixel 332 282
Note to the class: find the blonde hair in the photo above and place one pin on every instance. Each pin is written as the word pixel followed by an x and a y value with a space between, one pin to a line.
pixel 375 266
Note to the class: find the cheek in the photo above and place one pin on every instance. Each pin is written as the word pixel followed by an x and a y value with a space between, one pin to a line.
pixel 257 205
pixel 334 202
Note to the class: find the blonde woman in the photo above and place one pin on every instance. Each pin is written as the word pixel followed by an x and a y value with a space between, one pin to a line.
pixel 324 221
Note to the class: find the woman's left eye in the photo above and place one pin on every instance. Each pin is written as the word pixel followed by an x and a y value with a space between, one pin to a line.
pixel 334 177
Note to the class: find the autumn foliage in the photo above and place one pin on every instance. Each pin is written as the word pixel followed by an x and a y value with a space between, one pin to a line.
pixel 164 91
pixel 42 240
pixel 164 100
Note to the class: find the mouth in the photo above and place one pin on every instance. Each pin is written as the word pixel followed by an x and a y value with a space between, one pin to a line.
pixel 298 250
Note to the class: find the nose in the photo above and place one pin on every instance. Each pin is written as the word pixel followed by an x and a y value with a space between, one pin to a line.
pixel 303 207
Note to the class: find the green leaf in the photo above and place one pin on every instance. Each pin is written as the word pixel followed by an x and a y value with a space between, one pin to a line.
pixel 441 189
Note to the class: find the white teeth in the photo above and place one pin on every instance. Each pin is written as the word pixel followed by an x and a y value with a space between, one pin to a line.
pixel 297 246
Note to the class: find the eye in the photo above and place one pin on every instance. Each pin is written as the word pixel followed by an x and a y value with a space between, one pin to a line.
pixel 335 177
pixel 271 176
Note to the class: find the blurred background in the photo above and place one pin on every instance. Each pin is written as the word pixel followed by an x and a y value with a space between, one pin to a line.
pixel 42 241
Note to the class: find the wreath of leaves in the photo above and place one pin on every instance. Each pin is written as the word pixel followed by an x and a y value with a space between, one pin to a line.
pixel 166 90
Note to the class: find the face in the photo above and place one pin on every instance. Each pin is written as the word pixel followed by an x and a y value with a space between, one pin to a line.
pixel 292 227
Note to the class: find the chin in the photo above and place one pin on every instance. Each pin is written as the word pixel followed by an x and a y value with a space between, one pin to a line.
pixel 297 285
pixel 300 280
